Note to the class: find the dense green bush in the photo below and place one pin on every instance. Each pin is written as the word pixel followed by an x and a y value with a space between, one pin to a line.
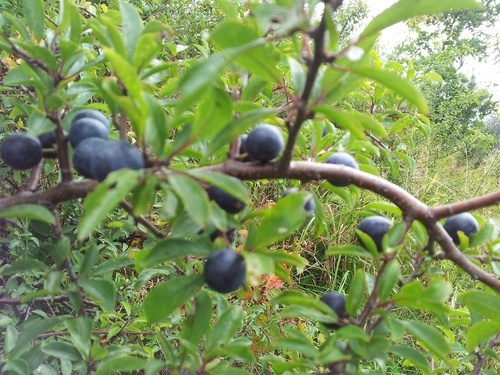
pixel 108 277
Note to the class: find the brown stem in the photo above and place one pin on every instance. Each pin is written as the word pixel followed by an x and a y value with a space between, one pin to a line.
pixel 36 172
pixel 60 193
pixel 98 332
pixel 372 301
pixel 18 301
pixel 482 357
pixel 307 171
pixel 303 113
pixel 62 147
pixel 465 206
pixel 141 219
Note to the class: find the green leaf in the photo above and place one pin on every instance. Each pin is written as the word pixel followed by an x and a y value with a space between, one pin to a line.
pixel 483 303
pixel 412 355
pixel 29 211
pixel 298 343
pixel 234 350
pixel 385 207
pixel 281 220
pixel 121 364
pixel 131 27
pixel 200 77
pixel 80 330
pixel 356 292
pixel 193 197
pixel 309 313
pixel 258 60
pixel 406 9
pixel 302 299
pixel 105 198
pixel 34 11
pixel 103 290
pixel 162 300
pixel 396 83
pixel 156 123
pixel 61 250
pixel 18 366
pixel 70 21
pixel 298 75
pixel 483 330
pixel 225 328
pixel 61 350
pixel 213 112
pixel 169 249
pixel 485 234
pixel 431 337
pixel 10 338
pixel 389 280
pixel 369 123
pixel 196 325
pixel 343 119
pixel 352 332
pixel 224 182
pixel 433 298
pixel 33 328
pixel 420 232
pixel 25 265
pixel 395 236
pixel 350 250
pixel 110 265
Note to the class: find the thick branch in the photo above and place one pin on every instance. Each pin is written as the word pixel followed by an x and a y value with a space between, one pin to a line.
pixel 412 207
pixel 468 205
pixel 60 193
pixel 307 171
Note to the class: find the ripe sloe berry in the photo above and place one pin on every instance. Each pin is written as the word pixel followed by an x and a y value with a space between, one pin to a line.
pixel 264 142
pixel 87 127
pixel 225 271
pixel 93 114
pixel 225 200
pixel 342 158
pixel 336 301
pixel 21 151
pixel 463 222
pixel 376 227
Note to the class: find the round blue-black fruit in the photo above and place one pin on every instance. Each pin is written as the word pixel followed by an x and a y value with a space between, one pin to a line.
pixel 87 127
pixel 116 155
pixel 48 141
pixel 21 151
pixel 264 143
pixel 225 200
pixel 376 227
pixel 84 152
pixel 341 158
pixel 336 301
pixel 92 113
pixel 463 222
pixel 225 271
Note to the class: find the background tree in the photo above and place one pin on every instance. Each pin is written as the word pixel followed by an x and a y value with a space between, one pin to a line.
pixel 108 269
pixel 458 108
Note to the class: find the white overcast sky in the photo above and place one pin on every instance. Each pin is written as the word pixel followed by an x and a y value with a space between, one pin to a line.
pixel 487 73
